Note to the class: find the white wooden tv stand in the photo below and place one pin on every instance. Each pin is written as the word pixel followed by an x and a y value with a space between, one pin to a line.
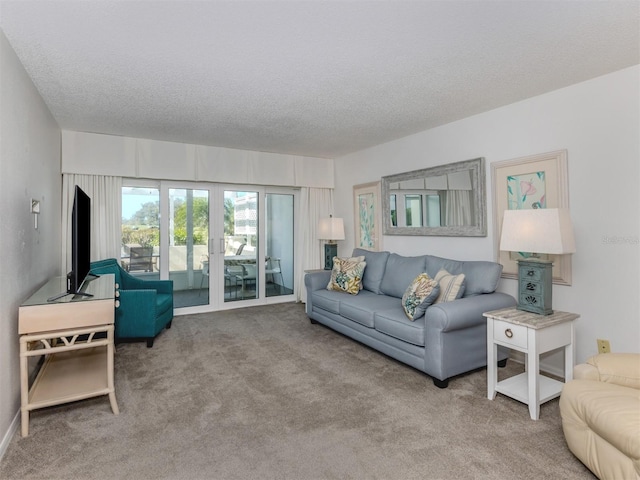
pixel 77 365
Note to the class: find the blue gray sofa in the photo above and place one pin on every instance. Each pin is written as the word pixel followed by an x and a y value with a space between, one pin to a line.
pixel 448 340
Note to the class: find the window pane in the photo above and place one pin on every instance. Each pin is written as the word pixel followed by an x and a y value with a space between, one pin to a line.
pixel 188 246
pixel 140 231
pixel 394 211
pixel 413 205
pixel 241 245
pixel 433 211
pixel 279 246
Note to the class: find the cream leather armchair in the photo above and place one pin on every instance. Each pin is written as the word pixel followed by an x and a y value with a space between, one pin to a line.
pixel 600 411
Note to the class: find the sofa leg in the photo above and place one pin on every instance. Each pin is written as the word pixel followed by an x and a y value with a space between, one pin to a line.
pixel 149 342
pixel 502 363
pixel 313 322
pixel 169 324
pixel 441 383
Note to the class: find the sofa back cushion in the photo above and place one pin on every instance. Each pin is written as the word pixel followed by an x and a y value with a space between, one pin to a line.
pixel 400 272
pixel 376 265
pixel 480 276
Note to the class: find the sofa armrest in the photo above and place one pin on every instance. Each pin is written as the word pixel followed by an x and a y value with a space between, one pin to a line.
pixel 618 368
pixel 317 280
pixel 136 315
pixel 466 312
pixel 584 371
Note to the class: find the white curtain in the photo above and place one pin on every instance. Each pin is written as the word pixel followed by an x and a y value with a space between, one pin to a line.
pixel 458 208
pixel 315 203
pixel 106 206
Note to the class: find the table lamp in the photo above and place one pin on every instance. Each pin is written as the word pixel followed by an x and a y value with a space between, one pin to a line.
pixel 536 231
pixel 330 229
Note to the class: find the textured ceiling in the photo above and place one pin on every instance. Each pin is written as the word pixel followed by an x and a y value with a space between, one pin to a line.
pixel 316 78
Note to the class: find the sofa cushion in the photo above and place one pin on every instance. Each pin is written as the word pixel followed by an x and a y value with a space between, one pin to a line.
pixel 480 276
pixel 400 272
pixel 396 324
pixel 376 264
pixel 422 292
pixel 327 300
pixel 346 275
pixel 362 307
pixel 451 286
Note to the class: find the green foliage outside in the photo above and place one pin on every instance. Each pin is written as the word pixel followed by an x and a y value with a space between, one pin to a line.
pixel 143 236
pixel 229 217
pixel 200 215
pixel 143 226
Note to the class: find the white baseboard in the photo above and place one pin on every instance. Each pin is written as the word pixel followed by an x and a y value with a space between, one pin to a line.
pixel 6 440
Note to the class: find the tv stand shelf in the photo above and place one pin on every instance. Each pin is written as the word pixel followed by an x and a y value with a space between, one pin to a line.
pixel 75 334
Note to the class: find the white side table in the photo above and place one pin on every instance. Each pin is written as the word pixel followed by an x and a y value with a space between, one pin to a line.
pixel 531 334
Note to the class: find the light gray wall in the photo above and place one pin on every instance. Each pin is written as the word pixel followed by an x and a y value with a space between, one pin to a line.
pixel 598 123
pixel 29 168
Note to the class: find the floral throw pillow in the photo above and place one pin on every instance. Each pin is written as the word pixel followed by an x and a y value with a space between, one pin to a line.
pixel 451 286
pixel 346 275
pixel 419 295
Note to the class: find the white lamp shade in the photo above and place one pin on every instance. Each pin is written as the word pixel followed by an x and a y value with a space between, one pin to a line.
pixel 540 230
pixel 331 229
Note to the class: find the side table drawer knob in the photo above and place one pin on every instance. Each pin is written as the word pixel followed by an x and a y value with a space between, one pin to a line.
pixel 508 333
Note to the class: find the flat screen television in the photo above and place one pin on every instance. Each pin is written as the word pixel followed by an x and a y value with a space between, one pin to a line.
pixel 80 241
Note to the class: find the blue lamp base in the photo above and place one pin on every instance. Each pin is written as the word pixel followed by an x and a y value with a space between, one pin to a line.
pixel 535 286
pixel 330 251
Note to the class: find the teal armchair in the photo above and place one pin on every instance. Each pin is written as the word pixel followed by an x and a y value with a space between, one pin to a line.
pixel 145 306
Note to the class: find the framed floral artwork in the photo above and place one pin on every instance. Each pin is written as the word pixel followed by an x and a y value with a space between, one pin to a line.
pixel 367 216
pixel 537 181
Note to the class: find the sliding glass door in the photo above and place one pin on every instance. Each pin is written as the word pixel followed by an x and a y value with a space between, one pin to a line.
pixel 240 264
pixel 188 246
pixel 223 246
pixel 279 248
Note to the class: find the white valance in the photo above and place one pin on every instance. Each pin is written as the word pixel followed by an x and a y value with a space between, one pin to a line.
pixel 98 154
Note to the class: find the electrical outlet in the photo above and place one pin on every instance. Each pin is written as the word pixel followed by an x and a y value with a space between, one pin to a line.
pixel 603 346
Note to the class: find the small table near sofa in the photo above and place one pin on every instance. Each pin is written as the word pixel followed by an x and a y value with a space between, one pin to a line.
pixel 533 335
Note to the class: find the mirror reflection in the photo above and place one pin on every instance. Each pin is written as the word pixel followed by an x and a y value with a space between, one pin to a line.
pixel 444 200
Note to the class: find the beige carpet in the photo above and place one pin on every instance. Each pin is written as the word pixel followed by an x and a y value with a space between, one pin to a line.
pixel 261 393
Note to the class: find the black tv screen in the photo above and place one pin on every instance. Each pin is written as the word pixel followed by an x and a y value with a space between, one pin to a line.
pixel 80 240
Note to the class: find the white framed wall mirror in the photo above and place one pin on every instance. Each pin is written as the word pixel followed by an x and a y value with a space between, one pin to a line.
pixel 446 200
